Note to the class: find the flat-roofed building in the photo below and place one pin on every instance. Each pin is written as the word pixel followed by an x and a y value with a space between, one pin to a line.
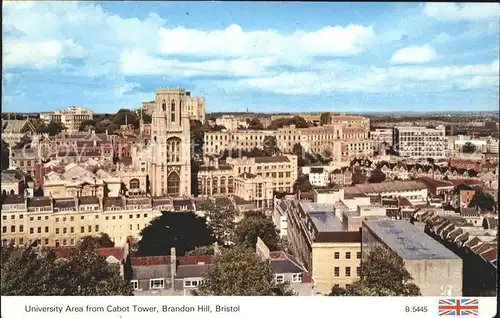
pixel 71 118
pixel 382 136
pixel 434 268
pixel 414 191
pixel 420 142
pixel 318 239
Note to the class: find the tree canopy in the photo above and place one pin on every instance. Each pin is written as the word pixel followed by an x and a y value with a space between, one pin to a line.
pixel 376 176
pixel 5 155
pixel 302 183
pixel 325 118
pixel 184 231
pixel 383 274
pixel 257 225
pixel 298 121
pixel 52 129
pixel 469 147
pixel 271 146
pixel 241 272
pixel 30 272
pixel 255 123
pixel 202 250
pixel 482 200
pixel 103 240
pixel 221 222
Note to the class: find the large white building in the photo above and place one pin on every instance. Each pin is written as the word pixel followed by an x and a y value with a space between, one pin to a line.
pixel 71 118
pixel 420 142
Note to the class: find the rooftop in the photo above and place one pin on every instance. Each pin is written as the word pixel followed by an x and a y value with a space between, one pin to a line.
pixel 312 207
pixel 386 187
pixel 326 221
pixel 407 241
pixel 271 159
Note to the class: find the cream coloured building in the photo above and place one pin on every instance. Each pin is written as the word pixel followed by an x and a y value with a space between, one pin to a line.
pixel 192 106
pixel 347 138
pixel 62 222
pixel 77 181
pixel 70 118
pixel 165 161
pixel 420 142
pixel 252 179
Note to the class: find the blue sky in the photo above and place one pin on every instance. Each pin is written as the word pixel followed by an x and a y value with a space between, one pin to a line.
pixel 349 57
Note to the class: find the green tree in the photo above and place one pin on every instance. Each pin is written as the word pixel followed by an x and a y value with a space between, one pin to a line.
pixel 376 176
pixel 87 124
pixel 241 272
pixel 220 220
pixel 383 274
pixel 271 146
pixel 299 122
pixel 30 272
pixel 126 116
pixel 469 147
pixel 325 118
pixel 358 177
pixel 255 123
pixel 299 151
pixel 184 231
pixel 302 183
pixel 202 250
pixel 103 240
pixel 248 229
pixel 53 128
pixel 147 118
pixel 25 140
pixel 482 200
pixel 5 155
pixel 197 135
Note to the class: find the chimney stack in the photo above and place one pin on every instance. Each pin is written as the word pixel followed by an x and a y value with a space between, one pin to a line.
pixel 173 266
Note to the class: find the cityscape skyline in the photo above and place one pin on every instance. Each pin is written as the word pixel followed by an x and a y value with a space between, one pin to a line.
pixel 77 54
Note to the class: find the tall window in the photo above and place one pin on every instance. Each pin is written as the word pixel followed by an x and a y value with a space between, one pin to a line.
pixel 230 185
pixel 173 184
pixel 164 106
pixel 172 111
pixel 173 149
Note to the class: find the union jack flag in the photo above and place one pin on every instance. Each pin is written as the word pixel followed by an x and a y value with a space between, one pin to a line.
pixel 458 307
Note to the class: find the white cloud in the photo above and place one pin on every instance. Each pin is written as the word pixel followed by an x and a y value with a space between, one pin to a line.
pixel 37 54
pixel 414 55
pixel 138 62
pixel 125 88
pixel 235 42
pixel 461 12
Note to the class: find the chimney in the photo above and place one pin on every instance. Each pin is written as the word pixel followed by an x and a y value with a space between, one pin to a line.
pixel 173 266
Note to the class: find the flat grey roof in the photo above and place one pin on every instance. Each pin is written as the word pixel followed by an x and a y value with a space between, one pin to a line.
pixel 407 241
pixel 326 221
pixel 310 207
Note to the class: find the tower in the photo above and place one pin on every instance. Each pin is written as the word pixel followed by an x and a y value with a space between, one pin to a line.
pixel 170 166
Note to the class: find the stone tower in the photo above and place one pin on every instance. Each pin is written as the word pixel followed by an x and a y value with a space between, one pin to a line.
pixel 170 166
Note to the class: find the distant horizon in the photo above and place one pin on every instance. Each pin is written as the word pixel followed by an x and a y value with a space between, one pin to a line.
pixel 344 57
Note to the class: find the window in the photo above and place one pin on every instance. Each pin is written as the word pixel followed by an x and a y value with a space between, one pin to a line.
pixel 134 284
pixel 173 183
pixel 337 255
pixel 297 278
pixel 31 218
pixel 130 216
pixel 82 229
pixel 347 272
pixel 64 219
pixel 172 111
pixel 97 228
pixel 90 228
pixel 64 230
pixel 336 271
pixel 39 218
pixel 46 229
pixel 72 218
pixel 4 229
pixel 358 271
pixel 138 216
pixel 4 217
pixel 191 283
pixel 280 278
pixel 21 241
pixel 57 219
pixel 57 230
pixel 156 283
pixel 358 255
pixel 21 228
pixel 46 241
pixel 347 255
pixel 12 228
pixel 145 215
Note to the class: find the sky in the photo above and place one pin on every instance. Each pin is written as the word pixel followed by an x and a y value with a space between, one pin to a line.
pixel 265 57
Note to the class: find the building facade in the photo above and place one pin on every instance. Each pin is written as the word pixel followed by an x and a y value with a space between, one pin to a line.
pixel 70 118
pixel 193 107
pixel 420 142
pixel 64 221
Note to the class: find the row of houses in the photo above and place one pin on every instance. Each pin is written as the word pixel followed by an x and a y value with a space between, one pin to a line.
pixel 473 238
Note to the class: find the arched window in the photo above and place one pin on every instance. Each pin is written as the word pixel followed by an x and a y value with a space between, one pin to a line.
pixel 172 111
pixel 134 184
pixel 4 192
pixel 164 106
pixel 12 192
pixel 173 184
